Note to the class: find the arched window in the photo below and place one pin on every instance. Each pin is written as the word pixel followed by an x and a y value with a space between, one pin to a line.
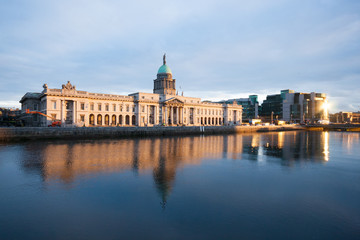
pixel 120 119
pixel 113 119
pixel 133 120
pixel 107 120
pixel 209 121
pixel 127 120
pixel 205 122
pixel 213 121
pixel 99 119
pixel 202 121
pixel 91 119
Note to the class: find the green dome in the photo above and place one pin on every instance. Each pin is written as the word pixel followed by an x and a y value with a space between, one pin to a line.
pixel 164 69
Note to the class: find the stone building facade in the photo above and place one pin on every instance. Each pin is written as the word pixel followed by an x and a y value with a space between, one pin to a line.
pixel 162 107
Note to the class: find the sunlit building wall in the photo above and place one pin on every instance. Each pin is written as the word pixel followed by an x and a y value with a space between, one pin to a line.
pixel 297 107
pixel 345 117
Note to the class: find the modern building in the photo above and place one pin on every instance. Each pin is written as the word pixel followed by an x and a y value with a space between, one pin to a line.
pixel 345 117
pixel 294 106
pixel 162 107
pixel 250 106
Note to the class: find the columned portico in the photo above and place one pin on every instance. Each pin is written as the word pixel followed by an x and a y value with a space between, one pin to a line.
pixel 173 111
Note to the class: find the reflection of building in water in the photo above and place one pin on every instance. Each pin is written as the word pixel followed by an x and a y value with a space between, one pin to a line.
pixel 163 156
pixel 348 140
pixel 304 146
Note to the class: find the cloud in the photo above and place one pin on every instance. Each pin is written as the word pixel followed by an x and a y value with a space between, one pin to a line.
pixel 215 48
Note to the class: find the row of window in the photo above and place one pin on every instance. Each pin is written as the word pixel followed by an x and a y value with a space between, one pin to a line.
pixel 112 121
pixel 126 121
pixel 133 108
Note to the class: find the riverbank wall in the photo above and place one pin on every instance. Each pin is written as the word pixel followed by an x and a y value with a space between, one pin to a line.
pixel 334 127
pixel 37 133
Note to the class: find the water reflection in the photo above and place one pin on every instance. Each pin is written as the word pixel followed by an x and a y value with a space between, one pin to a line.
pixel 349 140
pixel 210 186
pixel 65 161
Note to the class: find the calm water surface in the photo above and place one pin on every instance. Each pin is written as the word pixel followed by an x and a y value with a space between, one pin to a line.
pixel 293 185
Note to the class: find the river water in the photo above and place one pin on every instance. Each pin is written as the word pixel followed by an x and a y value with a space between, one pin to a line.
pixel 284 185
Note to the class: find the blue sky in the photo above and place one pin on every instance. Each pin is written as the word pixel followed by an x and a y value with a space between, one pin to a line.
pixel 216 49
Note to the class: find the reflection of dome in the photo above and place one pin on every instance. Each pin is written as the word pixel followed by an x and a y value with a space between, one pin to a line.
pixel 164 176
pixel 164 69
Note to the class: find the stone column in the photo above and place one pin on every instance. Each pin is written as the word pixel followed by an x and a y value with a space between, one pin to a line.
pixel 138 114
pixel 155 115
pixel 74 112
pixel 165 116
pixel 62 112
pixel 182 115
pixel 171 115
pixel 177 115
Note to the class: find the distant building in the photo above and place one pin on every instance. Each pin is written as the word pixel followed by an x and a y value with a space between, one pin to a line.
pixel 345 117
pixel 10 117
pixel 294 106
pixel 162 107
pixel 250 106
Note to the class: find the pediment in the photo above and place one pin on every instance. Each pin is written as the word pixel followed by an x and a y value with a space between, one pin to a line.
pixel 174 101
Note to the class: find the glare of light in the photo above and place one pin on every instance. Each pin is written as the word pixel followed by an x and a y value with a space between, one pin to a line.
pixel 281 139
pixel 326 146
pixel 325 107
pixel 255 141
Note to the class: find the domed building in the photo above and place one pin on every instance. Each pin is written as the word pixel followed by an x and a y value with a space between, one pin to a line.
pixel 164 83
pixel 163 107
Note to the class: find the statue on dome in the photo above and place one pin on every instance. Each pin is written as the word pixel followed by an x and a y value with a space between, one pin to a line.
pixel 164 59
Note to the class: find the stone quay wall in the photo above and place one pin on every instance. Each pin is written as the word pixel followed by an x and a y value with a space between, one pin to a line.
pixel 37 133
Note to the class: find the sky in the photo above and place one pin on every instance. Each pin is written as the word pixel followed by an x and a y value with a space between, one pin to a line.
pixel 215 49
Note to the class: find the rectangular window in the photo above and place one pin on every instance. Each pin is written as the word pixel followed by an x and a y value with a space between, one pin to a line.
pixel 35 107
pixel 127 108
pixel 82 118
pixel 82 106
pixel 107 107
pixel 99 106
pixel 133 108
pixel 92 106
pixel 121 108
pixel 114 107
pixel 53 116
pixel 143 109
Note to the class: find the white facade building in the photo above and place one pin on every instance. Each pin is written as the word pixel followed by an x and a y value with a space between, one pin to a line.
pixel 163 107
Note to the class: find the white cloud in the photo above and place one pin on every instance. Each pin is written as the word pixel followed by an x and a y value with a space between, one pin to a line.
pixel 219 47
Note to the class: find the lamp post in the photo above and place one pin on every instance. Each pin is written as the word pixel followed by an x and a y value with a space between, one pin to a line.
pixel 272 115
